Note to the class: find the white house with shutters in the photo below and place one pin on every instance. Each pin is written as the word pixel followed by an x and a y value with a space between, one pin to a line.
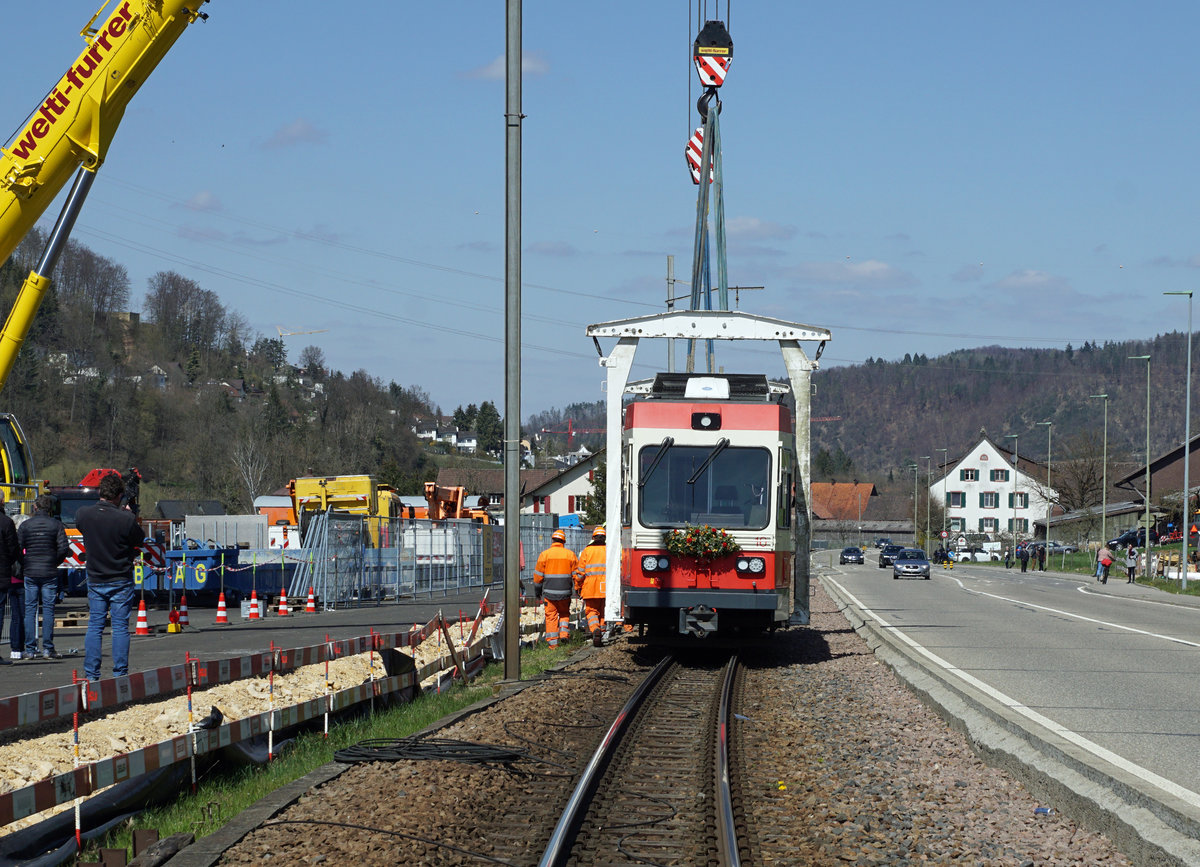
pixel 984 493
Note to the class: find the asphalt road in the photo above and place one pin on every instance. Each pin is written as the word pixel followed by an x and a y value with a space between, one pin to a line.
pixel 241 637
pixel 1116 666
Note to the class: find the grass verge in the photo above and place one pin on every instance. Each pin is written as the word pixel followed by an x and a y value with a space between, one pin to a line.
pixel 222 795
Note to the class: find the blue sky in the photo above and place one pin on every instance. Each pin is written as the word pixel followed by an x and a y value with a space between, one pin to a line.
pixel 914 177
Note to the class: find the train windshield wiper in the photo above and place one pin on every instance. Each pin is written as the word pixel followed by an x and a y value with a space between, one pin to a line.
pixel 722 443
pixel 658 456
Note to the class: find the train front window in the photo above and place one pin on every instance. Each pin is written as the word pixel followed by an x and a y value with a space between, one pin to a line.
pixel 733 490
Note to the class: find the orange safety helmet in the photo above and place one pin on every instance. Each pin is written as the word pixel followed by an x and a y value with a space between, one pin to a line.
pixel 599 531
pixel 558 536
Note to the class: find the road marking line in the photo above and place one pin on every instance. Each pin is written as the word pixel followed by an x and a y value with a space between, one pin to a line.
pixel 1171 788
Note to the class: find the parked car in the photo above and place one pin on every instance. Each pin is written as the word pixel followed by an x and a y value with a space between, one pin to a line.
pixel 911 563
pixel 1135 536
pixel 975 555
pixel 851 555
pixel 888 554
pixel 1061 548
pixel 882 542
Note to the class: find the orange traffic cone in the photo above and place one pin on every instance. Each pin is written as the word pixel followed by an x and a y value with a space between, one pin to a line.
pixel 183 615
pixel 310 607
pixel 222 613
pixel 283 609
pixel 253 605
pixel 143 625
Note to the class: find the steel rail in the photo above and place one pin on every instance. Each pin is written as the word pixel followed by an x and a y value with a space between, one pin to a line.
pixel 726 824
pixel 558 850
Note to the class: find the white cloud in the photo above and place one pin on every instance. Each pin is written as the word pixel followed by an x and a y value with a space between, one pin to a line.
pixel 531 65
pixel 205 200
pixel 868 273
pixel 299 131
pixel 754 229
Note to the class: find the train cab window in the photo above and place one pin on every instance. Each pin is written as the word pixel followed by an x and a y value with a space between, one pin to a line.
pixel 732 491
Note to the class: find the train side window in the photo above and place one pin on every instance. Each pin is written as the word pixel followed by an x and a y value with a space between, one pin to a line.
pixel 784 498
pixel 626 485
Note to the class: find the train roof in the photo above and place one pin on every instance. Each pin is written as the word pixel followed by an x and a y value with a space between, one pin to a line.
pixel 744 387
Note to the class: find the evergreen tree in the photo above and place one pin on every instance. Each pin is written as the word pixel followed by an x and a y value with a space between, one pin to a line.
pixel 596 503
pixel 489 427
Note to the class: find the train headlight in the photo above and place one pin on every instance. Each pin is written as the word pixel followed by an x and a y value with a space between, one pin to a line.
pixel 655 563
pixel 751 565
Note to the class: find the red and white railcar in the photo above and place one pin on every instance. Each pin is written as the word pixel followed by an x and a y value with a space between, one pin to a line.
pixel 709 451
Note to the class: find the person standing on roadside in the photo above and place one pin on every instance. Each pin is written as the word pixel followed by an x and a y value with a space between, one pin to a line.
pixel 111 538
pixel 1131 558
pixel 1041 552
pixel 1023 556
pixel 1104 559
pixel 10 565
pixel 43 542
pixel 553 583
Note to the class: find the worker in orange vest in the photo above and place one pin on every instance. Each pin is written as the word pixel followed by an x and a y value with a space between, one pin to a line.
pixel 552 583
pixel 589 581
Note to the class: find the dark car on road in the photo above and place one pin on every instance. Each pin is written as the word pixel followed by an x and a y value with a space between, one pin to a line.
pixel 911 563
pixel 882 542
pixel 851 555
pixel 887 555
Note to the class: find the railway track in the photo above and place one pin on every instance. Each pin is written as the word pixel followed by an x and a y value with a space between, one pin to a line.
pixel 658 791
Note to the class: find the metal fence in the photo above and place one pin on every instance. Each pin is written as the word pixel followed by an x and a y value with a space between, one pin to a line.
pixel 352 560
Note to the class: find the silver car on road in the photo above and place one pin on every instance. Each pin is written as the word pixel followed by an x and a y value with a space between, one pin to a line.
pixel 911 563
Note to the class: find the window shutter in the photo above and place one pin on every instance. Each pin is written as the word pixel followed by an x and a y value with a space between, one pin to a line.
pixel 1010 502
pixel 982 505
pixel 962 475
pixel 947 499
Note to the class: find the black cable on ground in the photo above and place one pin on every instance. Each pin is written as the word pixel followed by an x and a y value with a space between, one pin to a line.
pixel 418 749
pixel 400 834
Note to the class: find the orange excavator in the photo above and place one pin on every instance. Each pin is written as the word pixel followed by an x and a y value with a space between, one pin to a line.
pixel 448 502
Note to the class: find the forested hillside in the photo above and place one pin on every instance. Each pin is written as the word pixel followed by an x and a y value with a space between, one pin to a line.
pixel 188 394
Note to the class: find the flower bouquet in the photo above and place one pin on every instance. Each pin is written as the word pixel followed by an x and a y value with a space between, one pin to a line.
pixel 705 543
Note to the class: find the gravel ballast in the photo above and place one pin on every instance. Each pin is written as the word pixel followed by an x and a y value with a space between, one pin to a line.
pixel 846 766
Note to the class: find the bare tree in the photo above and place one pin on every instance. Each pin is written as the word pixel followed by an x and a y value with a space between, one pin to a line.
pixel 252 456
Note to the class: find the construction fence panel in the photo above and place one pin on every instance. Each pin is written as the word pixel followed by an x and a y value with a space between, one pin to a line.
pixel 349 565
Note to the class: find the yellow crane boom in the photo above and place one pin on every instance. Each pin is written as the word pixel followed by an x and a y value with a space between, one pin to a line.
pixel 71 130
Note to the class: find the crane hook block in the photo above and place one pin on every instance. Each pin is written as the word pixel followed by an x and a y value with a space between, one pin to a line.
pixel 712 52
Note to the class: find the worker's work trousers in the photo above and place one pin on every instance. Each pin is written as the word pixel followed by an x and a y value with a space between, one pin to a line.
pixel 557 625
pixel 594 610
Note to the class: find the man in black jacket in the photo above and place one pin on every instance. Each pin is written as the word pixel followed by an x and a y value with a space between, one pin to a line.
pixel 10 556
pixel 111 538
pixel 43 539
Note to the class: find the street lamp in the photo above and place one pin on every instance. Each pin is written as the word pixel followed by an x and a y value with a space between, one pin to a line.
pixel 914 468
pixel 945 473
pixel 1146 358
pixel 1013 437
pixel 1049 427
pixel 1104 477
pixel 928 459
pixel 1187 446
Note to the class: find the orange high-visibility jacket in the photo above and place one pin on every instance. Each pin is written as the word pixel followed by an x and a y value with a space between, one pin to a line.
pixel 554 568
pixel 589 574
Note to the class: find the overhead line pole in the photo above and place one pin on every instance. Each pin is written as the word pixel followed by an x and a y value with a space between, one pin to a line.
pixel 512 346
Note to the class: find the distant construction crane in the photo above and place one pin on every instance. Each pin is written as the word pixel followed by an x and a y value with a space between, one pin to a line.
pixel 571 430
pixel 283 333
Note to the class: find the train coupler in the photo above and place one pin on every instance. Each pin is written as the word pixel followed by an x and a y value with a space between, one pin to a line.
pixel 699 621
